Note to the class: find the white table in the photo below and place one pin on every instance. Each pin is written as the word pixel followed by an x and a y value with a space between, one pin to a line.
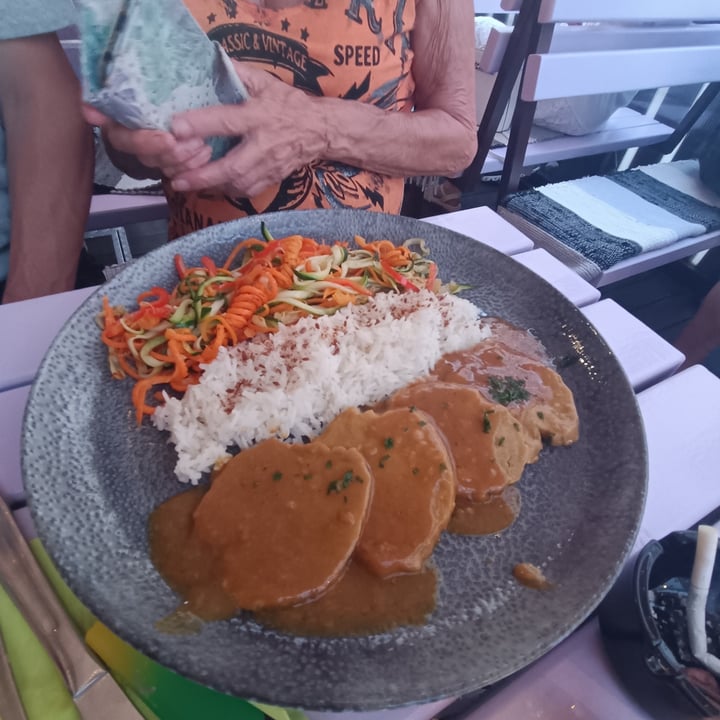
pixel 116 210
pixel 575 680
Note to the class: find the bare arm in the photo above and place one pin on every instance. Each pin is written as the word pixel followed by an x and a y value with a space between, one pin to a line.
pixel 50 165
pixel 440 136
pixel 283 128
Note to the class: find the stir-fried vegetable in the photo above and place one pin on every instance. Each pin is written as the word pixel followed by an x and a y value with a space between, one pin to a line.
pixel 262 284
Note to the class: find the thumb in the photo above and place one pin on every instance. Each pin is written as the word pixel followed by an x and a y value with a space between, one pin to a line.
pixel 93 116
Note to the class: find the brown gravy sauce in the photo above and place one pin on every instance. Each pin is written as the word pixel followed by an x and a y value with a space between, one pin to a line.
pixel 359 602
pixel 496 513
pixel 476 365
pixel 531 576
pixel 188 566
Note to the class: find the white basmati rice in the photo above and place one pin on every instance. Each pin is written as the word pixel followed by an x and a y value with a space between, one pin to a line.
pixel 289 384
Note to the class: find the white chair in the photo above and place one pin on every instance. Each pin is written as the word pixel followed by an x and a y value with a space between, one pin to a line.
pixel 681 46
pixel 553 52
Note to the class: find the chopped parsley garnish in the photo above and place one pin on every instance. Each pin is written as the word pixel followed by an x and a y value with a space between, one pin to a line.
pixel 541 415
pixel 506 390
pixel 501 441
pixel 421 423
pixel 412 408
pixel 328 464
pixel 516 426
pixel 443 467
pixel 277 475
pixel 337 486
pixel 383 460
pixel 416 471
pixel 487 426
pixel 277 261
pixel 388 443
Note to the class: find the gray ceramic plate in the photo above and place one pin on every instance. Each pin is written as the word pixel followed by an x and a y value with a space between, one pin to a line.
pixel 93 477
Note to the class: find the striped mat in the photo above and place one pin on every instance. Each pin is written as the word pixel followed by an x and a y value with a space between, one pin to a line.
pixel 595 222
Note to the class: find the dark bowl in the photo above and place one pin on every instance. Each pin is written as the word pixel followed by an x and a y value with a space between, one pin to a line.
pixel 644 623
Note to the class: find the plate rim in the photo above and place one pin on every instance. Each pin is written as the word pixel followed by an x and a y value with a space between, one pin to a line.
pixel 59 554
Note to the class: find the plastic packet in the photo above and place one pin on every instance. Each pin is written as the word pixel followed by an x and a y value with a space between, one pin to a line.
pixel 144 61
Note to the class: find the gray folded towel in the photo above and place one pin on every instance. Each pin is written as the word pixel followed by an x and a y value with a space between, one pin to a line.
pixel 594 222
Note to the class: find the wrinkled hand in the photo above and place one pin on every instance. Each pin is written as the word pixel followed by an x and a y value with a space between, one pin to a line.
pixel 155 149
pixel 280 127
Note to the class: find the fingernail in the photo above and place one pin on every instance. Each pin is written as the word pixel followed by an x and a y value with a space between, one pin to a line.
pixel 180 185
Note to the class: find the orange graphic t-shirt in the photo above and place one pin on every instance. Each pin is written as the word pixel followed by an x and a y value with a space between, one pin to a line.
pixel 351 49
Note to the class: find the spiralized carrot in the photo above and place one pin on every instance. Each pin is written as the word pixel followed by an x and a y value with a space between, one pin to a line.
pixel 263 283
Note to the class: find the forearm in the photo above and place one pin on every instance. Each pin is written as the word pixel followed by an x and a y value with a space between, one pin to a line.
pixel 49 209
pixel 50 167
pixel 425 142
pixel 440 137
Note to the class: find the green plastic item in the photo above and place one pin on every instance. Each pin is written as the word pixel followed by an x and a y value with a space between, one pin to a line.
pixel 158 693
